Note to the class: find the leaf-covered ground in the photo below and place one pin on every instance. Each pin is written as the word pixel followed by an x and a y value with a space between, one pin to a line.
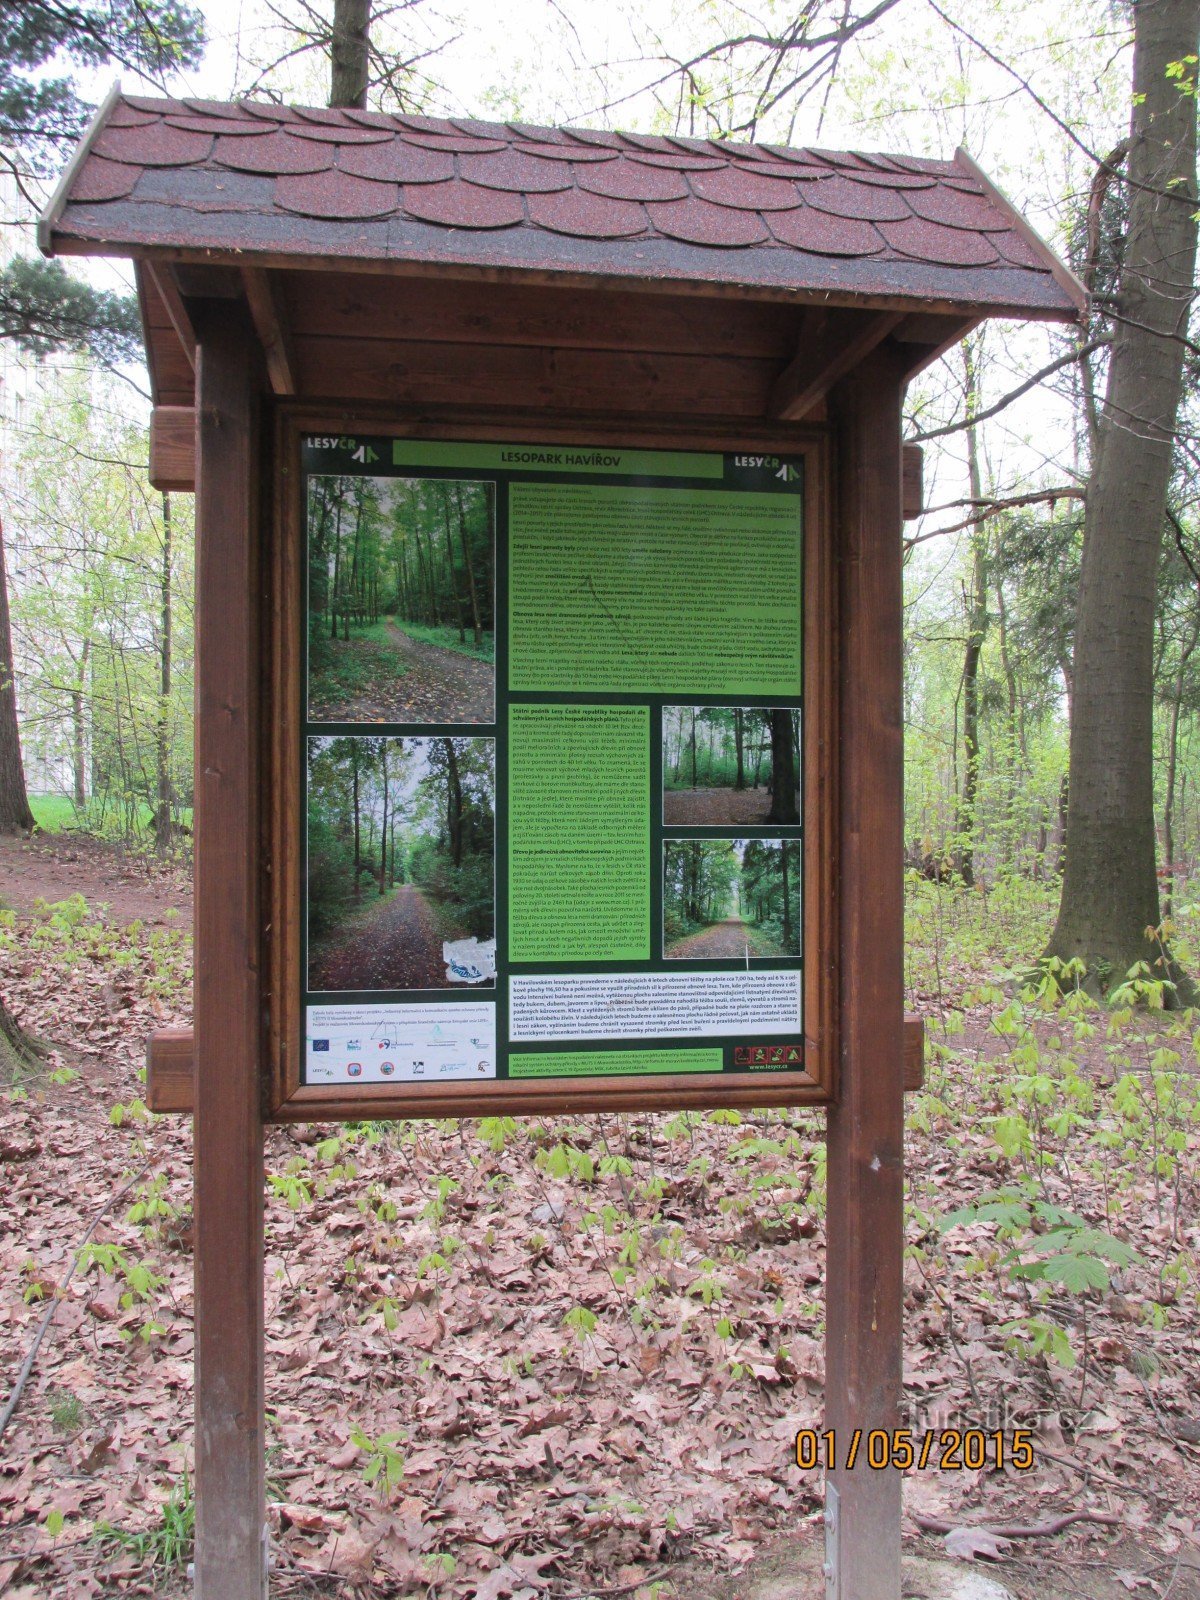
pixel 403 679
pixel 556 1359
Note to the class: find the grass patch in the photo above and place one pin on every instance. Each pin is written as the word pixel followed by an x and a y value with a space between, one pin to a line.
pixel 341 669
pixel 58 813
pixel 448 638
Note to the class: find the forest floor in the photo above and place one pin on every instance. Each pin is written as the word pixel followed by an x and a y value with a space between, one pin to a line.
pixel 393 943
pixel 723 941
pixel 715 808
pixel 435 685
pixel 568 1358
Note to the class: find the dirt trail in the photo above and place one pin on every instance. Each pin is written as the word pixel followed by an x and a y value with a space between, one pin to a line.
pixel 723 941
pixel 395 945
pixel 701 808
pixel 438 685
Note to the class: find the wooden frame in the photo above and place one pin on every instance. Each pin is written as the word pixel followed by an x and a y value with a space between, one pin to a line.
pixel 286 1098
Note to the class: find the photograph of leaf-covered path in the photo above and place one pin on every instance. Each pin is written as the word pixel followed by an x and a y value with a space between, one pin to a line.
pixel 730 766
pixel 400 858
pixel 731 899
pixel 392 944
pixel 400 618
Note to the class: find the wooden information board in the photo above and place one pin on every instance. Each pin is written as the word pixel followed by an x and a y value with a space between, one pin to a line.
pixel 549 831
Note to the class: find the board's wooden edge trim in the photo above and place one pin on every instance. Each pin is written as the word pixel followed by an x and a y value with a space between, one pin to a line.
pixel 170 1070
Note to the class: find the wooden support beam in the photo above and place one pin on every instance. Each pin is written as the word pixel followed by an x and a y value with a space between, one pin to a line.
pixel 832 343
pixel 162 275
pixel 229 1179
pixel 173 448
pixel 864 1295
pixel 270 322
pixel 926 335
pixel 912 481
pixel 170 1067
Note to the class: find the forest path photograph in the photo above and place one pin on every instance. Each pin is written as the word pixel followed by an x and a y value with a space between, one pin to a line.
pixel 401 578
pixel 426 683
pixel 730 766
pixel 392 944
pixel 731 899
pixel 400 858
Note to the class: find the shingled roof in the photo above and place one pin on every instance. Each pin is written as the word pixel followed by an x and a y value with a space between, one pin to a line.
pixel 289 185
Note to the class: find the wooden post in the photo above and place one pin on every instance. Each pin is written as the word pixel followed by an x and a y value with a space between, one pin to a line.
pixel 228 1151
pixel 864 1276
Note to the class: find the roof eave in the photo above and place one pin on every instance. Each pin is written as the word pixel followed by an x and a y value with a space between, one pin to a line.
pixel 58 200
pixel 1061 273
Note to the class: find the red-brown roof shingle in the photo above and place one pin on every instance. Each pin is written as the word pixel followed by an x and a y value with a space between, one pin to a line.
pixel 292 183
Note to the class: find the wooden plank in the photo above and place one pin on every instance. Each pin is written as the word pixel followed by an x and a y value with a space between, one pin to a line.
pixel 173 448
pixel 170 1070
pixel 350 305
pixel 912 481
pixel 228 1160
pixel 534 377
pixel 831 344
pixel 864 1251
pixel 271 323
pixel 170 1067
pixel 180 318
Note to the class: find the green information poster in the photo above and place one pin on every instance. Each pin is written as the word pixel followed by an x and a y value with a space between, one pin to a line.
pixel 551 763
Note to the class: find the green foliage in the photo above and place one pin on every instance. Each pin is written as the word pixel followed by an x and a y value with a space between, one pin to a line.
pixel 91 552
pixel 383 1466
pixel 166 1546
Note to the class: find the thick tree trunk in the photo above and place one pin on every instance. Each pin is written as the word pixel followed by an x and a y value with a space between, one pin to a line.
pixel 18 1050
pixel 350 53
pixel 15 815
pixel 1110 893
pixel 783 770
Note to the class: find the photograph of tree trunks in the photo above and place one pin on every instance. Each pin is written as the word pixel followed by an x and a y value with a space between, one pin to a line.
pixel 401 837
pixel 730 766
pixel 401 579
pixel 731 899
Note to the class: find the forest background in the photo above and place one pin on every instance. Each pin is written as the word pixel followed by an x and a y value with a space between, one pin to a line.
pixel 99 566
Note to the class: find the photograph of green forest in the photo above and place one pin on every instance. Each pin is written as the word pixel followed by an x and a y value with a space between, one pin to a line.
pixel 730 766
pixel 400 860
pixel 731 899
pixel 401 579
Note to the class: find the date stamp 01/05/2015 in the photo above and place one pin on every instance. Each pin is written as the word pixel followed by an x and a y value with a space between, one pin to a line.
pixel 896 1449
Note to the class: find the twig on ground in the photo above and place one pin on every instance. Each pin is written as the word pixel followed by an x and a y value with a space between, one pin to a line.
pixel 1018 1530
pixel 14 1398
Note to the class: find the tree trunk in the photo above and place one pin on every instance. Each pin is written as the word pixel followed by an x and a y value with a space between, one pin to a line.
pixel 787 899
pixel 453 803
pixel 383 831
pixel 739 739
pixel 357 825
pixel 470 566
pixel 783 770
pixel 1185 656
pixel 18 1050
pixel 977 625
pixel 15 815
pixel 1110 892
pixel 350 53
